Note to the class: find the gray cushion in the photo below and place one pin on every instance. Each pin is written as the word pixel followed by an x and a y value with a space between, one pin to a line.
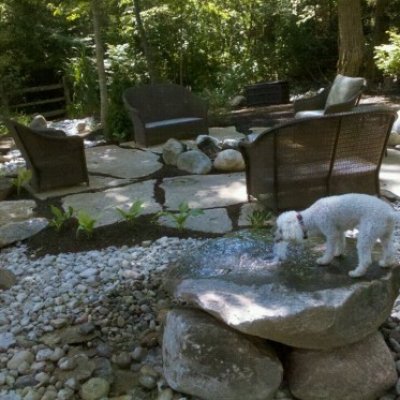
pixel 343 89
pixel 309 113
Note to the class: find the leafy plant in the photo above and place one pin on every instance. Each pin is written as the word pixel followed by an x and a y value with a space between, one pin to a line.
pixel 133 212
pixel 184 213
pixel 258 218
pixel 85 224
pixel 24 176
pixel 387 56
pixel 60 217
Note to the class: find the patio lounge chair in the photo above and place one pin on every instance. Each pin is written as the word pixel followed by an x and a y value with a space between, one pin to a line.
pixel 162 111
pixel 342 96
pixel 292 165
pixel 56 160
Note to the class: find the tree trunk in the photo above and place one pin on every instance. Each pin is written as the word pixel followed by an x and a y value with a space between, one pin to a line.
pixel 351 38
pixel 101 71
pixel 148 54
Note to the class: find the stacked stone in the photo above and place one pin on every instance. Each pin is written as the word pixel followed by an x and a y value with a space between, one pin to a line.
pixel 245 317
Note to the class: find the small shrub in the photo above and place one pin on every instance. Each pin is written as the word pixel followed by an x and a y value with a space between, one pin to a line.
pixel 387 56
pixel 184 213
pixel 60 217
pixel 258 218
pixel 133 212
pixel 85 224
pixel 23 177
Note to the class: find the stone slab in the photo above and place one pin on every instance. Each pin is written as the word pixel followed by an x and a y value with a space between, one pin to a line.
pixel 95 183
pixel 121 163
pixel 102 205
pixel 212 221
pixel 297 303
pixel 21 230
pixel 206 191
pixel 245 212
pixel 16 210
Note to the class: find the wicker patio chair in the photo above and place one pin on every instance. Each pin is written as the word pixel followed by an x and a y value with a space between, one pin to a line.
pixel 162 111
pixel 344 94
pixel 55 160
pixel 292 165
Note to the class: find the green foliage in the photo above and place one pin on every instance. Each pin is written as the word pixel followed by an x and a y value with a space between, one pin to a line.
pixel 387 56
pixel 184 212
pixel 60 217
pixel 258 218
pixel 81 71
pixel 133 212
pixel 23 177
pixel 86 224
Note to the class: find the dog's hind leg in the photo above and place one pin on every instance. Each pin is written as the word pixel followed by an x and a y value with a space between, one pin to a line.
pixel 365 242
pixel 388 250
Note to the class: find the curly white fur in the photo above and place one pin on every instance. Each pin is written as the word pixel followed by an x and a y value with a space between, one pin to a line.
pixel 331 217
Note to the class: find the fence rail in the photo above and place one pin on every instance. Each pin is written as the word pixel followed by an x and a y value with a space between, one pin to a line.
pixel 51 101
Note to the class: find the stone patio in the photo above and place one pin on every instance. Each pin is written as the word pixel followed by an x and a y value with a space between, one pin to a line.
pixel 120 175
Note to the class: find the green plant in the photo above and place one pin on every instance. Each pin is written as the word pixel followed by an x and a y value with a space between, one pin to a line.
pixel 24 176
pixel 85 224
pixel 60 217
pixel 387 56
pixel 133 211
pixel 258 218
pixel 184 213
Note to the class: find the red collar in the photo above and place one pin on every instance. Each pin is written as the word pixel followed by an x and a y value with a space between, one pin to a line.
pixel 302 226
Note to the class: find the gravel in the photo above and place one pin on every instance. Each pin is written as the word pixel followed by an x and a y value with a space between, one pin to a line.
pixel 74 322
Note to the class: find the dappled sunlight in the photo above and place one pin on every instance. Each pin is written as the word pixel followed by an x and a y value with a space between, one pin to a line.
pixel 239 308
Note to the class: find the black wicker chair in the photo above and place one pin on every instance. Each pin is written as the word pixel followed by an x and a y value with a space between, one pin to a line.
pixel 55 160
pixel 292 165
pixel 162 111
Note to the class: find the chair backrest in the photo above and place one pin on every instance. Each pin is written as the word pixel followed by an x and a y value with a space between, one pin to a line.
pixel 345 89
pixel 156 102
pixel 300 161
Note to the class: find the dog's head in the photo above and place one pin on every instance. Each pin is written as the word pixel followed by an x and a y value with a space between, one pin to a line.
pixel 288 227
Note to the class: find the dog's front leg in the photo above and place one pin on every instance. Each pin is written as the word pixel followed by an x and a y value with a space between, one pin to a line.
pixel 332 240
pixel 330 249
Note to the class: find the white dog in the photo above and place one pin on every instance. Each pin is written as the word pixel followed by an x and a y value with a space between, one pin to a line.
pixel 331 217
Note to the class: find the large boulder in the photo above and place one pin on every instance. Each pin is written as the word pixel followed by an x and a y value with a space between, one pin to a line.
pixel 297 303
pixel 194 162
pixel 171 151
pixel 209 145
pixel 361 371
pixel 229 160
pixel 205 358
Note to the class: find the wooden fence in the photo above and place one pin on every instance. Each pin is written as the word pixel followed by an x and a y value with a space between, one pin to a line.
pixel 51 101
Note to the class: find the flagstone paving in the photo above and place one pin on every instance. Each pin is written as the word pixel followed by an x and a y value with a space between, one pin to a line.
pixel 102 205
pixel 205 191
pixel 121 163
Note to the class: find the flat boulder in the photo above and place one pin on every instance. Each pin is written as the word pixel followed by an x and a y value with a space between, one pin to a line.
pixel 297 303
pixel 205 358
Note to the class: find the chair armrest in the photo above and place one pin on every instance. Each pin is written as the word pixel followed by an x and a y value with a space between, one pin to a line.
pixel 316 102
pixel 342 107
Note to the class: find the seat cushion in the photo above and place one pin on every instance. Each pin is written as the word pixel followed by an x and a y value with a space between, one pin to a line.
pixel 344 88
pixel 309 113
pixel 168 122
